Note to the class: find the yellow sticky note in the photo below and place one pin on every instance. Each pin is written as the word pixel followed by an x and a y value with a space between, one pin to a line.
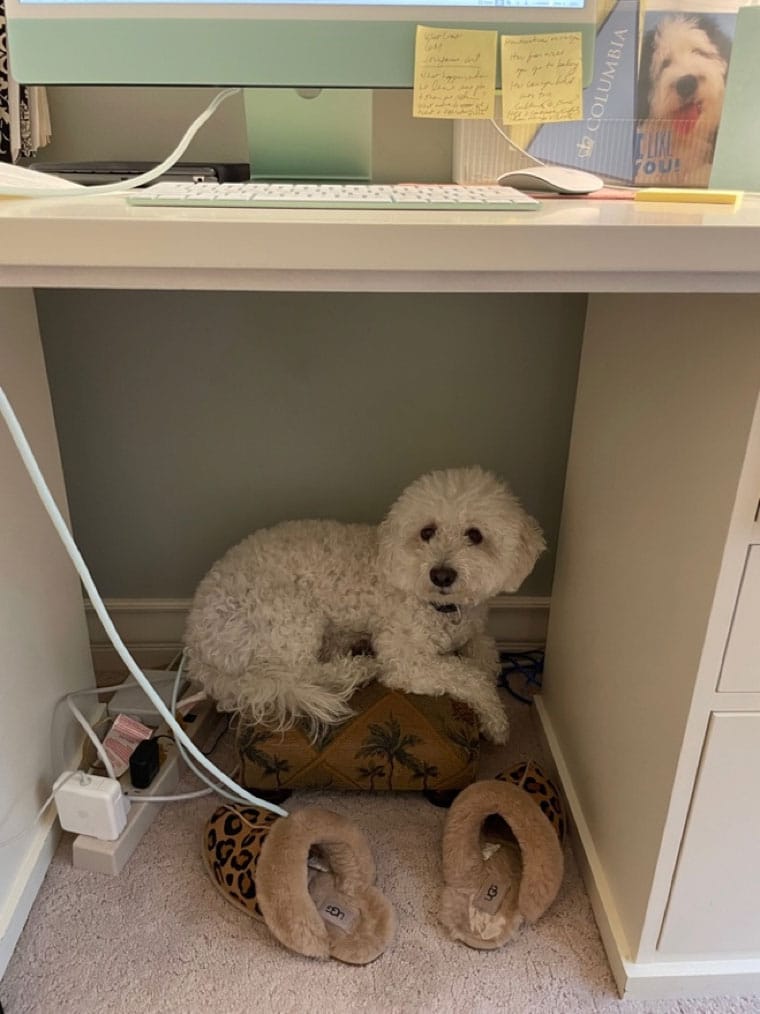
pixel 685 196
pixel 542 78
pixel 454 73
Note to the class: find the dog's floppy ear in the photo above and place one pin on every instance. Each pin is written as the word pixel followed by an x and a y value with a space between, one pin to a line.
pixel 386 557
pixel 644 84
pixel 719 39
pixel 391 561
pixel 530 545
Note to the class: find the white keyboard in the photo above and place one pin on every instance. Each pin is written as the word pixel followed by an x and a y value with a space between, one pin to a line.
pixel 446 197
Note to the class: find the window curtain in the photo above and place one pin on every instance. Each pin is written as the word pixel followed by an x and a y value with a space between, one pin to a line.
pixel 24 114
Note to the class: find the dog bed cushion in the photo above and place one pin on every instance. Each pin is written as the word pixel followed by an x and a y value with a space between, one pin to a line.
pixel 394 742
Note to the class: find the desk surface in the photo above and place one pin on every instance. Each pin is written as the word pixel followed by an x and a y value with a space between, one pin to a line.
pixel 568 245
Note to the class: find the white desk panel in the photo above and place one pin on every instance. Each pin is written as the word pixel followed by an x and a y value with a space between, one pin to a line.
pixel 568 245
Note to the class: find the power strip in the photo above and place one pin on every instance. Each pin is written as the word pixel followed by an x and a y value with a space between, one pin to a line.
pixel 112 856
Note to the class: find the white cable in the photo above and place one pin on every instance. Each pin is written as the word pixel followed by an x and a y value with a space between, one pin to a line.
pixel 193 767
pixel 170 799
pixel 19 190
pixel 68 699
pixel 176 678
pixel 103 754
pixel 100 748
pixel 164 677
pixel 211 786
pixel 514 145
pixel 30 463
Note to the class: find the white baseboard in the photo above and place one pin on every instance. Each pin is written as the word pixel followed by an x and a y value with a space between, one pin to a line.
pixel 158 624
pixel 640 980
pixel 19 900
pixel 520 620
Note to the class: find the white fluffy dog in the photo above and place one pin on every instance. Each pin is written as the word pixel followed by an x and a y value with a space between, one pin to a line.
pixel 682 81
pixel 294 618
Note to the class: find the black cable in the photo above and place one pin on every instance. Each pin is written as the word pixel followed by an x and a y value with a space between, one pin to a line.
pixel 207 753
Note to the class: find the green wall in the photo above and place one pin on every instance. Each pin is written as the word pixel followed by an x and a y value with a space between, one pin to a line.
pixel 188 419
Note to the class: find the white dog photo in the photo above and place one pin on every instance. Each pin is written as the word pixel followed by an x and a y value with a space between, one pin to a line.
pixel 292 620
pixel 682 84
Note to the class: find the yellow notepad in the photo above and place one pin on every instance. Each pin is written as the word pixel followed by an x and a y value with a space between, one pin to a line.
pixel 686 196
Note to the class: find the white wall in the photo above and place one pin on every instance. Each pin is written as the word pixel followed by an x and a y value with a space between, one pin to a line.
pixel 44 651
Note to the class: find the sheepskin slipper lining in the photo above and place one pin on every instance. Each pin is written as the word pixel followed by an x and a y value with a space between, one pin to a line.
pixel 310 878
pixel 502 864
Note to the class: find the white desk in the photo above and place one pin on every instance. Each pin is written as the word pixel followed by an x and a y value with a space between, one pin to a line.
pixel 659 510
pixel 588 246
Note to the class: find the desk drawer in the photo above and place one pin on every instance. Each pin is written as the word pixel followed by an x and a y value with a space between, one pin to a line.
pixel 741 663
pixel 715 900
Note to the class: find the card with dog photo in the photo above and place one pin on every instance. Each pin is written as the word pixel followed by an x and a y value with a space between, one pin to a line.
pixel 683 65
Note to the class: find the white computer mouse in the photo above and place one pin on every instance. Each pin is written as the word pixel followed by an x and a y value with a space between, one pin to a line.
pixel 554 179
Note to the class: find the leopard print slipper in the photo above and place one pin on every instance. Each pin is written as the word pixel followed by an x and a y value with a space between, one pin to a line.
pixel 502 859
pixel 309 877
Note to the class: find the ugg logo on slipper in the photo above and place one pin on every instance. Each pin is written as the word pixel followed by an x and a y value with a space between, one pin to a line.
pixel 338 915
pixel 491 895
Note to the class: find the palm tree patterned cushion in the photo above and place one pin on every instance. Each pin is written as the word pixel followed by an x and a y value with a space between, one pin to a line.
pixel 393 742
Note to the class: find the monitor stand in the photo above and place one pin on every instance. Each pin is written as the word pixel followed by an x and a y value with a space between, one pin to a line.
pixel 317 134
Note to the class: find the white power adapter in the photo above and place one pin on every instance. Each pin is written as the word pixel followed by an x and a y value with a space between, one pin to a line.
pixel 90 804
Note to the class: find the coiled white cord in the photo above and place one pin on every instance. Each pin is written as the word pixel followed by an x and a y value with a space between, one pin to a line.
pixel 176 679
pixel 90 733
pixel 20 190
pixel 30 463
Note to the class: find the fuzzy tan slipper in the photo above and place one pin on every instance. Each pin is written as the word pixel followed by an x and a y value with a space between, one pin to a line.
pixel 502 864
pixel 310 877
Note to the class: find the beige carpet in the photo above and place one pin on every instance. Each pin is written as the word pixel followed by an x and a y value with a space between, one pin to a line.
pixel 159 939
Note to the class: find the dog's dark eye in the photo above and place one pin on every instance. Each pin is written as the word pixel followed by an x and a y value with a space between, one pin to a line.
pixel 666 64
pixel 474 535
pixel 427 533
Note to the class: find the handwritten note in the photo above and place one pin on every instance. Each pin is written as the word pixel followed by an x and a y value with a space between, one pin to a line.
pixel 542 78
pixel 454 73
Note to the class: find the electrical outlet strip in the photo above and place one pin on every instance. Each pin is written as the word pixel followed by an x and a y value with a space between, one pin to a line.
pixel 112 856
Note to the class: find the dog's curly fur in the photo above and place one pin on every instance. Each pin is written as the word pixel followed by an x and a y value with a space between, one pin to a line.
pixel 294 618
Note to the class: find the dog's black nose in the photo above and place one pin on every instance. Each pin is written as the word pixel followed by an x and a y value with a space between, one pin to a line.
pixel 443 577
pixel 686 86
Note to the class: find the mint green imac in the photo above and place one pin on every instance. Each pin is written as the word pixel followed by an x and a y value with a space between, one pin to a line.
pixel 308 68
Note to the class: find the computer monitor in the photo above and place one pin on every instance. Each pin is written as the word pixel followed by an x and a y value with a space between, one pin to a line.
pixel 275 45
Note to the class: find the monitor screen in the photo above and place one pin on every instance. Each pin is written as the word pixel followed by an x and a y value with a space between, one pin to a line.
pixel 344 44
